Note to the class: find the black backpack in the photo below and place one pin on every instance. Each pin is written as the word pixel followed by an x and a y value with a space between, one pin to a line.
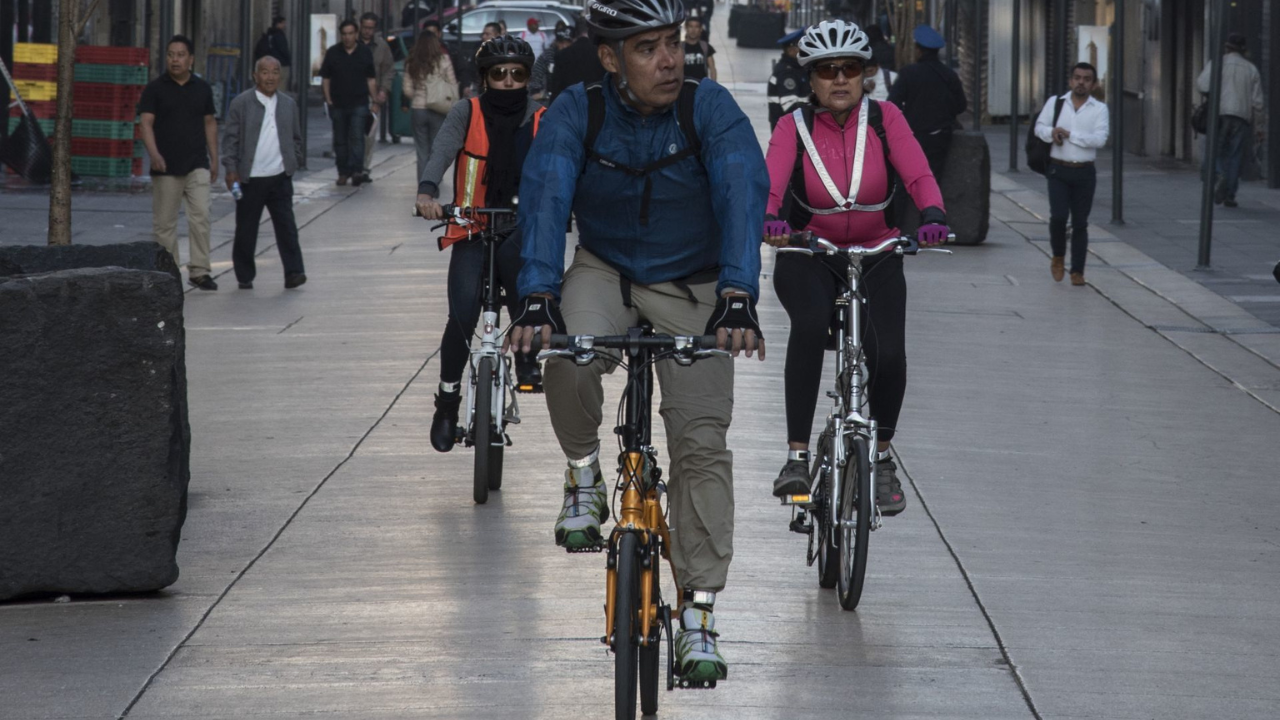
pixel 799 218
pixel 684 117
pixel 1037 149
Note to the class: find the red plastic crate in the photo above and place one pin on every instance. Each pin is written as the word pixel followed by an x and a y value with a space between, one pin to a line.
pixel 97 55
pixel 105 111
pixel 137 167
pixel 42 109
pixel 90 147
pixel 33 71
pixel 107 93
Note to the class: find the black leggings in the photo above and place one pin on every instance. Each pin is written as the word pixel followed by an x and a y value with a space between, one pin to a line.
pixel 808 286
pixel 466 275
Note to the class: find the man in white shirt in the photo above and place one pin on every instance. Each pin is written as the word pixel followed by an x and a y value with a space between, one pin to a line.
pixel 1241 103
pixel 877 80
pixel 263 145
pixel 1082 128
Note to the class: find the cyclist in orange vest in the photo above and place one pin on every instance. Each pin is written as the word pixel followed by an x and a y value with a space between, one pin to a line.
pixel 486 139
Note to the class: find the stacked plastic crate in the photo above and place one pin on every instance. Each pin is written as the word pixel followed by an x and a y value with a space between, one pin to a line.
pixel 108 85
pixel 35 74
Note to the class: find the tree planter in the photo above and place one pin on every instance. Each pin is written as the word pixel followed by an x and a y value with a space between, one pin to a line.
pixel 966 190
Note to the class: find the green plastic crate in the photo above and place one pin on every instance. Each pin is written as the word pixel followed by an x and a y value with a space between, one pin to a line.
pixel 103 129
pixel 102 167
pixel 139 149
pixel 115 74
pixel 45 125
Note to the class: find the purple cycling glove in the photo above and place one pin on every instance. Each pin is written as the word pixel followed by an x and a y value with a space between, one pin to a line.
pixel 774 227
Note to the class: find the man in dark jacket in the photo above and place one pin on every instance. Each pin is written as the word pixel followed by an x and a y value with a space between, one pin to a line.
pixel 930 96
pixel 789 83
pixel 262 149
pixel 275 42
pixel 578 63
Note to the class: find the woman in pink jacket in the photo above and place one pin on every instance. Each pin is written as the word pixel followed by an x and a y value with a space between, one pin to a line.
pixel 840 192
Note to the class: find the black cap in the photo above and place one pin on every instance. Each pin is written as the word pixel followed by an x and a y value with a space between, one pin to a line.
pixel 1236 41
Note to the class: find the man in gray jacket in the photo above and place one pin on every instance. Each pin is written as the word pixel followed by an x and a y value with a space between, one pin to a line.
pixel 262 151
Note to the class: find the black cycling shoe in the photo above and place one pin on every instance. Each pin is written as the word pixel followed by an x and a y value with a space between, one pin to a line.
pixel 793 480
pixel 444 425
pixel 528 373
pixel 889 496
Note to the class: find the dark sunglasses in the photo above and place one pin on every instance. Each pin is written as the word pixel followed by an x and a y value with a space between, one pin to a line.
pixel 829 71
pixel 498 74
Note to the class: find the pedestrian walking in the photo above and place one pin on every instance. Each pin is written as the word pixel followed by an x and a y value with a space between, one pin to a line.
pixel 1240 105
pixel 536 38
pixel 275 42
pixel 1082 127
pixel 181 136
pixel 699 62
pixel 262 150
pixel 464 68
pixel 930 96
pixel 431 88
pixel 545 66
pixel 879 79
pixel 578 63
pixel 881 51
pixel 350 85
pixel 384 66
pixel 789 83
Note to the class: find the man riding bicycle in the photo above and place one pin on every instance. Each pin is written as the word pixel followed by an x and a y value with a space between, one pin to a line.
pixel 668 185
pixel 807 153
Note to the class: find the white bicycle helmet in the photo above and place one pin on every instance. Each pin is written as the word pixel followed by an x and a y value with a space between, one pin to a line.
pixel 832 39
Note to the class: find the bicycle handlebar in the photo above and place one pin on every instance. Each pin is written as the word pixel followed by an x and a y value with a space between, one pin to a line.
pixel 456 212
pixel 588 343
pixel 807 242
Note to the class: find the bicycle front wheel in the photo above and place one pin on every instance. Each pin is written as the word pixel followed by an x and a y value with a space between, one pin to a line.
pixel 625 649
pixel 482 426
pixel 650 667
pixel 824 463
pixel 855 522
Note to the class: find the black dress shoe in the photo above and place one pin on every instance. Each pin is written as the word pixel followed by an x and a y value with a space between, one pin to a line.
pixel 357 179
pixel 444 424
pixel 204 282
pixel 246 286
pixel 293 281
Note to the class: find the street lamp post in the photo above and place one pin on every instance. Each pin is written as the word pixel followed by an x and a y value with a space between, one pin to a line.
pixel 1218 23
pixel 1117 122
pixel 977 65
pixel 1014 66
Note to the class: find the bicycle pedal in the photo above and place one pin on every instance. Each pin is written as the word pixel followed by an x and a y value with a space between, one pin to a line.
pixel 589 549
pixel 529 388
pixel 683 684
pixel 797 499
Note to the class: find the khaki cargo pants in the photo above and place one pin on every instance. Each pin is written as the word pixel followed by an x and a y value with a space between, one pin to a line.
pixel 697 405
pixel 168 193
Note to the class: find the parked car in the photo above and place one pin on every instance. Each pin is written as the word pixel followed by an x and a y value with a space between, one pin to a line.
pixel 515 13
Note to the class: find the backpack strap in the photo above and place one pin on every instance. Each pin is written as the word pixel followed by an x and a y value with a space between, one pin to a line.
pixel 875 117
pixel 684 118
pixel 1057 109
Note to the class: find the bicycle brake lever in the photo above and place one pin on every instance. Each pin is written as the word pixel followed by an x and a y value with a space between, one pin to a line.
pixel 944 251
pixel 555 353
pixel 712 352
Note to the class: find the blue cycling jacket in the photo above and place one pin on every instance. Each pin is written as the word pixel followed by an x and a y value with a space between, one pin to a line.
pixel 702 215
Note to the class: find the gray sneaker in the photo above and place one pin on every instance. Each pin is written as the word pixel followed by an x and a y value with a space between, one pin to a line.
pixel 889 496
pixel 586 506
pixel 793 480
pixel 698 658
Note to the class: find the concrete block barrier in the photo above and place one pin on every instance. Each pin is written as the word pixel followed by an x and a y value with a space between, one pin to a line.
pixel 966 190
pixel 94 440
pixel 31 259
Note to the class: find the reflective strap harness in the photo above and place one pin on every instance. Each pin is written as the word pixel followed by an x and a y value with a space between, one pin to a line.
pixel 843 204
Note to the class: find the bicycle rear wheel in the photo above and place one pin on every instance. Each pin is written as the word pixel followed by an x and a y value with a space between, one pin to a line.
pixel 855 520
pixel 482 425
pixel 824 463
pixel 625 604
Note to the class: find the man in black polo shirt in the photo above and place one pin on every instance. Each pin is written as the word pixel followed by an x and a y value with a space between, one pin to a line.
pixel 181 135
pixel 350 82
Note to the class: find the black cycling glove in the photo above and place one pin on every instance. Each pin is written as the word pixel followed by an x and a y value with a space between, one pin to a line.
pixel 734 312
pixel 536 311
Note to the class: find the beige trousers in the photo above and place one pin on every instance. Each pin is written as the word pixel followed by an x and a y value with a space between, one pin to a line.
pixel 697 406
pixel 168 192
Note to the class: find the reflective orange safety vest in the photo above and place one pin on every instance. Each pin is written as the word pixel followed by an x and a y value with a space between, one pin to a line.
pixel 470 174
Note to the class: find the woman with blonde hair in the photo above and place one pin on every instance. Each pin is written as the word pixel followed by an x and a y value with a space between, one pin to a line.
pixel 431 87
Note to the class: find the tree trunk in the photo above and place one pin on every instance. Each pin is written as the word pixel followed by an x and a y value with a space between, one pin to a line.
pixel 60 190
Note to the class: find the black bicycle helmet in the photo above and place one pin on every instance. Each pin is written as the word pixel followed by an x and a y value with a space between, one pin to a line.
pixel 620 19
pixel 504 49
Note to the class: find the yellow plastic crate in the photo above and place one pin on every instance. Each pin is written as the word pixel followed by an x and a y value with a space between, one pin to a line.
pixel 34 90
pixel 40 53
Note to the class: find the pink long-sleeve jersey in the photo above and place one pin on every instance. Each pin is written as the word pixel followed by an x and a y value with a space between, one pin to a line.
pixel 836 147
